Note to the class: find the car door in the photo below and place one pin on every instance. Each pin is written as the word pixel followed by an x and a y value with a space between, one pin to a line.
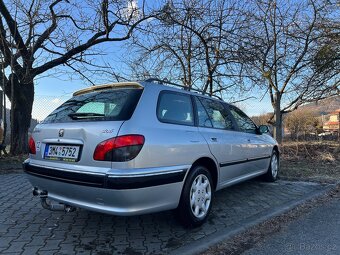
pixel 254 145
pixel 216 126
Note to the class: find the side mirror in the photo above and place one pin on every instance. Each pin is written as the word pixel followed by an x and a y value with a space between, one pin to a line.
pixel 263 129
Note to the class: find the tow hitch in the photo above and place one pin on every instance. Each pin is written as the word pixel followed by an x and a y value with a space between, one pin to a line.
pixel 49 205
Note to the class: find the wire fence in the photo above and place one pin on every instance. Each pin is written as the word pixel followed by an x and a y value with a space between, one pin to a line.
pixel 43 105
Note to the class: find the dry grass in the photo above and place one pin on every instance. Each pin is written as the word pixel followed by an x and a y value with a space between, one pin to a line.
pixel 311 160
pixel 11 163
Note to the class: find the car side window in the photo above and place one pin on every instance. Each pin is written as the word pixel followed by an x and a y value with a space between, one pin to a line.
pixel 244 123
pixel 175 108
pixel 203 117
pixel 217 113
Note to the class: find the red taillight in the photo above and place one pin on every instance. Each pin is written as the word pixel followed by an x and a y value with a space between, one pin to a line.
pixel 120 148
pixel 31 146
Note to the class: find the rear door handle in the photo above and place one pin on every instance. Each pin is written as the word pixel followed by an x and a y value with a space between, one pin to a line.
pixel 214 139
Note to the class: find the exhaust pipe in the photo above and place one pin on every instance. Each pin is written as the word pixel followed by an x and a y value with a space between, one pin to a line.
pixel 43 194
pixel 37 192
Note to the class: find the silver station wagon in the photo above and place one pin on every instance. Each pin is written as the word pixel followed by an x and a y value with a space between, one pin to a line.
pixel 134 148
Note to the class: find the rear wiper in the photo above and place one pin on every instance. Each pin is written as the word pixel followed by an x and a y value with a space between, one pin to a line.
pixel 85 115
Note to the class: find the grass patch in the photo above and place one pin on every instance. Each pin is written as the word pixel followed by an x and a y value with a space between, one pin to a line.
pixel 12 162
pixel 311 160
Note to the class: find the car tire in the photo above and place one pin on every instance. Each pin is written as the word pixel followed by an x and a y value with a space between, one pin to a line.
pixel 196 198
pixel 273 169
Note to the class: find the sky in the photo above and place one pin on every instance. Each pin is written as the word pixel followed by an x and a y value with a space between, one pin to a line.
pixel 56 86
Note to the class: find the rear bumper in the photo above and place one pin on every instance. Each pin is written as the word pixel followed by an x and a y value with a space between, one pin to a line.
pixel 113 192
pixel 110 180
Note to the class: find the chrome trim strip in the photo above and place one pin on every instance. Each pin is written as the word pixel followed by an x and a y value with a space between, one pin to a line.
pixel 258 158
pixel 230 163
pixel 63 141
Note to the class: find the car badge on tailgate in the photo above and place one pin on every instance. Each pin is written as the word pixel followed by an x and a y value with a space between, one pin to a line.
pixel 61 132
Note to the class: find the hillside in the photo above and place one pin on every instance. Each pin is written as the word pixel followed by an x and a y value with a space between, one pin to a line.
pixel 323 107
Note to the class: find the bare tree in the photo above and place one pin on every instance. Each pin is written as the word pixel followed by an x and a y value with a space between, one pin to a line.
pixel 36 36
pixel 261 119
pixel 193 43
pixel 281 50
pixel 302 122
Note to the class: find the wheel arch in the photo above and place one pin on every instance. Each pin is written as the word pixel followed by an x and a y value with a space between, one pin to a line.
pixel 210 164
pixel 276 148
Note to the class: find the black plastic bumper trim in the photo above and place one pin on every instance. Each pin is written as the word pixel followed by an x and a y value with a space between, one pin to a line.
pixel 104 181
pixel 242 161
pixel 144 181
pixel 84 179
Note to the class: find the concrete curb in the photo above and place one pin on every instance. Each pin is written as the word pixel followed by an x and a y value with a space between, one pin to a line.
pixel 219 236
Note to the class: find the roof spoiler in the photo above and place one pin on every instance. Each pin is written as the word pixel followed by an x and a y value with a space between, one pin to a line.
pixel 108 86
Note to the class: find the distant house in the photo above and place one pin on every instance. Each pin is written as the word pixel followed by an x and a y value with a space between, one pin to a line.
pixel 333 124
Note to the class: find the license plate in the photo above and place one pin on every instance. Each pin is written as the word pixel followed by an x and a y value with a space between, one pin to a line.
pixel 68 153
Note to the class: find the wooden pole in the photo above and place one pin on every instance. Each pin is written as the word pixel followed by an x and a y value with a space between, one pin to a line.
pixel 339 126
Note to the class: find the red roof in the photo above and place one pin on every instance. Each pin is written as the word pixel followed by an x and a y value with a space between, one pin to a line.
pixel 335 112
pixel 332 123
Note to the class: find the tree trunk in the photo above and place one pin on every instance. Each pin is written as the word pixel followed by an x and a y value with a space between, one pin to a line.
pixel 278 119
pixel 22 96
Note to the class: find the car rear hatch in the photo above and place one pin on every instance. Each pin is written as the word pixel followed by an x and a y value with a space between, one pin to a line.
pixel 68 137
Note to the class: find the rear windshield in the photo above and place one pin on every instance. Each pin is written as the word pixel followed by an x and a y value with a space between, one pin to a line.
pixel 116 104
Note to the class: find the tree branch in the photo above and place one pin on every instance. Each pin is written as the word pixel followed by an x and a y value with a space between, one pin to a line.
pixel 9 58
pixel 304 51
pixel 94 40
pixel 49 30
pixel 13 27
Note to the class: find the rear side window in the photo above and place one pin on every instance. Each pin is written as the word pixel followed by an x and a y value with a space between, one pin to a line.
pixel 217 113
pixel 175 108
pixel 203 117
pixel 244 123
pixel 113 104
